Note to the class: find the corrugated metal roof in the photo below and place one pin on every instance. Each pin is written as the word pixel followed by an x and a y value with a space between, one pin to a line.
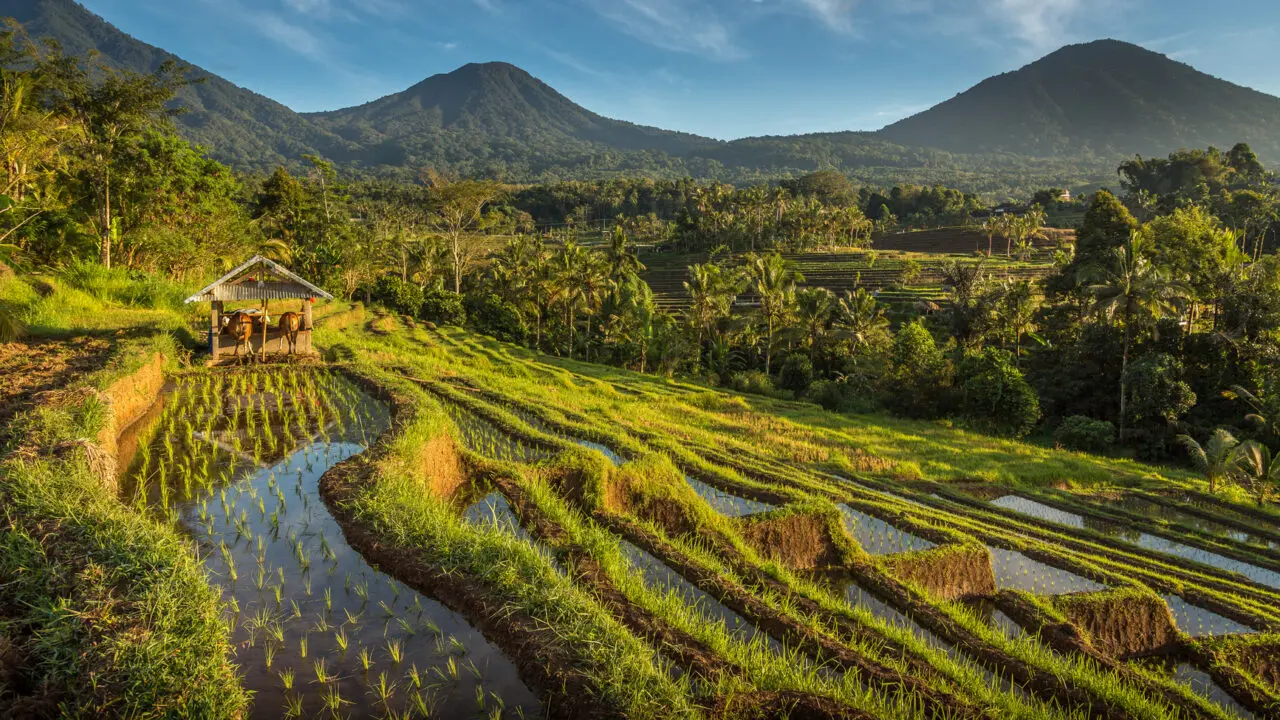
pixel 287 286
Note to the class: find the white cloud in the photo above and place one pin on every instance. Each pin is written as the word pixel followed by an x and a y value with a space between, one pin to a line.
pixel 689 26
pixel 835 14
pixel 292 36
pixel 1041 24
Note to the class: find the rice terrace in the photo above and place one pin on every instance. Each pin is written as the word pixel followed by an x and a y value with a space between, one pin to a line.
pixel 468 402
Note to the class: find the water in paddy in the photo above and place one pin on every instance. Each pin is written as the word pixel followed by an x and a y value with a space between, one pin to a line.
pixel 726 503
pixel 494 510
pixel 485 438
pixel 1015 571
pixel 659 577
pixel 856 595
pixel 608 452
pixel 1201 683
pixel 1262 576
pixel 1198 622
pixel 1039 510
pixel 1146 540
pixel 309 613
pixel 1159 511
pixel 878 537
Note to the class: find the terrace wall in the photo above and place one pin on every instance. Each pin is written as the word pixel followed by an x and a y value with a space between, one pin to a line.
pixel 948 572
pixel 128 400
pixel 1122 623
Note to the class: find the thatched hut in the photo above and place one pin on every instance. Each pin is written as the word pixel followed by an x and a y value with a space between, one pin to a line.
pixel 261 280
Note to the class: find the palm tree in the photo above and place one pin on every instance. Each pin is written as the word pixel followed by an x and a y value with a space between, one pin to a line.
pixel 1134 290
pixel 567 288
pixel 1215 459
pixel 1258 469
pixel 774 280
pixel 596 284
pixel 1264 410
pixel 622 261
pixel 712 291
pixel 815 311
pixel 859 316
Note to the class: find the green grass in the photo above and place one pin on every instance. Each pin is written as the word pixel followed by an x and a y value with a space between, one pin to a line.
pixel 109 610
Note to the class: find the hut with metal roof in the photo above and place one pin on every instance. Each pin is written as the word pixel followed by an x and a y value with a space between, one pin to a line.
pixel 258 280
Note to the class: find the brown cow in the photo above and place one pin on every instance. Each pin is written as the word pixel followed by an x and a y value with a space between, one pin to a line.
pixel 290 323
pixel 240 327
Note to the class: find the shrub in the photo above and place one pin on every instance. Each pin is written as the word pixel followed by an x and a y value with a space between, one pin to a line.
pixel 397 295
pixel 918 378
pixel 829 394
pixel 994 397
pixel 752 381
pixel 796 374
pixel 1079 432
pixel 494 316
pixel 443 307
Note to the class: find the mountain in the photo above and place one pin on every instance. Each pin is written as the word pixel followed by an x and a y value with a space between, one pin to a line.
pixel 1105 98
pixel 493 111
pixel 1062 121
pixel 237 126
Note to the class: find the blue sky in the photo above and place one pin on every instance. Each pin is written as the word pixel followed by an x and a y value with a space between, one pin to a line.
pixel 723 68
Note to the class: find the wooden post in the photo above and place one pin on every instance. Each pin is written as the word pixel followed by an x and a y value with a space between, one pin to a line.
pixel 215 326
pixel 262 351
pixel 306 322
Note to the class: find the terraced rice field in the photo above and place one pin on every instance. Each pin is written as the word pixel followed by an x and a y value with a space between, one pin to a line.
pixel 441 525
pixel 881 272
pixel 731 552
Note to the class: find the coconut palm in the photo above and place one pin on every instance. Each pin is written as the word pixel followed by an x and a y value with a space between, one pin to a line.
pixel 567 270
pixel 774 280
pixel 1264 409
pixel 621 260
pixel 815 313
pixel 859 316
pixel 1133 291
pixel 712 290
pixel 1216 459
pixel 1258 470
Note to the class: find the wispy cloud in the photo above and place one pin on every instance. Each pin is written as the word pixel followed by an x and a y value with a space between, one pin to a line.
pixel 1041 24
pixel 689 26
pixel 835 14
pixel 289 35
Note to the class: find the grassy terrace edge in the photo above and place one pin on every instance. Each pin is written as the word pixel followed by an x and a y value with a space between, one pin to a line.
pixel 106 612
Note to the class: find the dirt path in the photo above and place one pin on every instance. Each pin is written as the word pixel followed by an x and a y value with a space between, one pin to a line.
pixel 30 368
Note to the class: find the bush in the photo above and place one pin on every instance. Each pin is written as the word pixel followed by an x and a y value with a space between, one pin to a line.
pixel 443 307
pixel 1079 432
pixel 494 316
pixel 397 295
pixel 831 395
pixel 796 374
pixel 918 378
pixel 754 382
pixel 994 397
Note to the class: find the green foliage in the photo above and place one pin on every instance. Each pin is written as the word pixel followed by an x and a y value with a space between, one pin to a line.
pixel 994 397
pixel 494 316
pixel 1086 434
pixel 796 374
pixel 918 374
pixel 754 382
pixel 443 307
pixel 399 296
pixel 1157 391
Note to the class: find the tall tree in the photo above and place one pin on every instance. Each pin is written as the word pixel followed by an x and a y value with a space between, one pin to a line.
pixel 458 213
pixel 110 108
pixel 774 280
pixel 1133 290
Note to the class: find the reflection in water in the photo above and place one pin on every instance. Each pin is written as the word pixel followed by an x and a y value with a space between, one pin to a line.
pixel 878 537
pixel 315 627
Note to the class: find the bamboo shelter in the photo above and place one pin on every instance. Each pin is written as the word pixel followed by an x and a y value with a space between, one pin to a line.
pixel 257 280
